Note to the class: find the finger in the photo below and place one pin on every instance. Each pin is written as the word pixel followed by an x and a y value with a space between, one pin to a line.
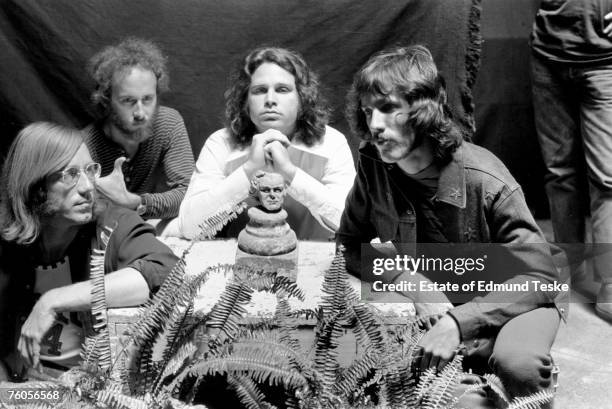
pixel 118 167
pixel 275 135
pixel 608 17
pixel 21 348
pixel 36 356
pixel 434 362
pixel 444 360
pixel 416 361
pixel 425 361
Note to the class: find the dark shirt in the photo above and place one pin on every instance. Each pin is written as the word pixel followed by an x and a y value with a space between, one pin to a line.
pixel 130 243
pixel 571 31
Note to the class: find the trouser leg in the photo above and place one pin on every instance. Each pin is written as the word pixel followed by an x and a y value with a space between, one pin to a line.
pixel 596 129
pixel 557 120
pixel 521 353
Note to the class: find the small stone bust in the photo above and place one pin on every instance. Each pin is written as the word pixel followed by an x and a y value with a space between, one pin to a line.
pixel 267 232
pixel 270 191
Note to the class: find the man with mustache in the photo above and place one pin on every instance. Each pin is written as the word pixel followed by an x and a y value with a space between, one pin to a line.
pixel 143 147
pixel 419 182
pixel 53 232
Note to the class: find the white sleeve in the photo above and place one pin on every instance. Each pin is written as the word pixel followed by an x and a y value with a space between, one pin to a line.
pixel 325 198
pixel 210 189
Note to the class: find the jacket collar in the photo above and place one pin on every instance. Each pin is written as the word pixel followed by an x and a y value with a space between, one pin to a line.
pixel 451 185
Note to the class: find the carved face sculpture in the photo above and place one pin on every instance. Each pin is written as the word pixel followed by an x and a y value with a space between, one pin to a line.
pixel 271 191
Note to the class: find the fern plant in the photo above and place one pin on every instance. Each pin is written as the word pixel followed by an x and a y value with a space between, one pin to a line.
pixel 172 353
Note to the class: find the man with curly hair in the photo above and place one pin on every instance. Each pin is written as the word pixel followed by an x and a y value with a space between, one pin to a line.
pixel 276 120
pixel 143 147
pixel 419 182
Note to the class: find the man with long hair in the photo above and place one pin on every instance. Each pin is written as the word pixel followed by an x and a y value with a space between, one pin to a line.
pixel 142 146
pixel 419 182
pixel 276 120
pixel 50 223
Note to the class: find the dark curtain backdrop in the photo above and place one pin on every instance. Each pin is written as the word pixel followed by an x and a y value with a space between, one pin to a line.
pixel 502 94
pixel 45 45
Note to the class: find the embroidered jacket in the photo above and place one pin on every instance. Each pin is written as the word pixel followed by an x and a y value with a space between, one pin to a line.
pixel 477 201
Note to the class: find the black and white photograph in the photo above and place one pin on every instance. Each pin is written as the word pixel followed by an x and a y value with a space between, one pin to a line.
pixel 356 204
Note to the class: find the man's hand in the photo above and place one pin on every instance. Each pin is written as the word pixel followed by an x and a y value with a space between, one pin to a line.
pixel 608 28
pixel 113 187
pixel 259 159
pixel 438 345
pixel 39 321
pixel 430 312
pixel 280 160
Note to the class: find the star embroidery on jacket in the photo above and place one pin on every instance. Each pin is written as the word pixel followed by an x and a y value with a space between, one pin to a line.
pixel 455 193
pixel 489 196
pixel 470 234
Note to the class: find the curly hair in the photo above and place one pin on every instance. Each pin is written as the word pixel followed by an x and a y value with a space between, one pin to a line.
pixel 131 52
pixel 39 150
pixel 313 115
pixel 411 73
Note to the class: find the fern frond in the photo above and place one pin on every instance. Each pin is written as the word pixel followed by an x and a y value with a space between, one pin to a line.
pixel 286 325
pixel 287 287
pixel 101 355
pixel 248 392
pixel 534 401
pixel 215 223
pixel 496 385
pixel 226 313
pixel 440 392
pixel 178 359
pixel 367 326
pixel 273 373
pixel 117 400
pixel 398 387
pixel 359 370
pixel 326 356
pixel 335 285
pixel 426 380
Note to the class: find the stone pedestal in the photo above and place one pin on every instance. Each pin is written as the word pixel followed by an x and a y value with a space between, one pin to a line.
pixel 267 243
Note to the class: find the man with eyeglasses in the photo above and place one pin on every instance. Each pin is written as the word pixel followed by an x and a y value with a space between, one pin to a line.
pixel 52 233
pixel 143 147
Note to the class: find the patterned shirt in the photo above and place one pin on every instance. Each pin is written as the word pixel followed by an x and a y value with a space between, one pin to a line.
pixel 160 170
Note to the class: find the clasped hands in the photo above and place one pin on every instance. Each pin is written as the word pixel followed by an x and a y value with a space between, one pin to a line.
pixel 268 152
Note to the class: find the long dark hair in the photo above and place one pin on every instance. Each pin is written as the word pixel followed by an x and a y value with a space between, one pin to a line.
pixel 411 73
pixel 313 115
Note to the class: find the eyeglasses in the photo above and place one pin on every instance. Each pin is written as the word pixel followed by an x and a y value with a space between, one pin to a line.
pixel 70 176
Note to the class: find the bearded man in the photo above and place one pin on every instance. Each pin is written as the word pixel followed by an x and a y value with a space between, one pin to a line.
pixel 143 147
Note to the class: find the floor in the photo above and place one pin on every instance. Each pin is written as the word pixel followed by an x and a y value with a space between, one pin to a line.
pixel 583 352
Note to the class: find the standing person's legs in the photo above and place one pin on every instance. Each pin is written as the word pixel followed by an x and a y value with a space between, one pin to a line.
pixel 596 119
pixel 557 116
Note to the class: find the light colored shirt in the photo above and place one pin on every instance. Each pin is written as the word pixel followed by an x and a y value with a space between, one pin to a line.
pixel 315 198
